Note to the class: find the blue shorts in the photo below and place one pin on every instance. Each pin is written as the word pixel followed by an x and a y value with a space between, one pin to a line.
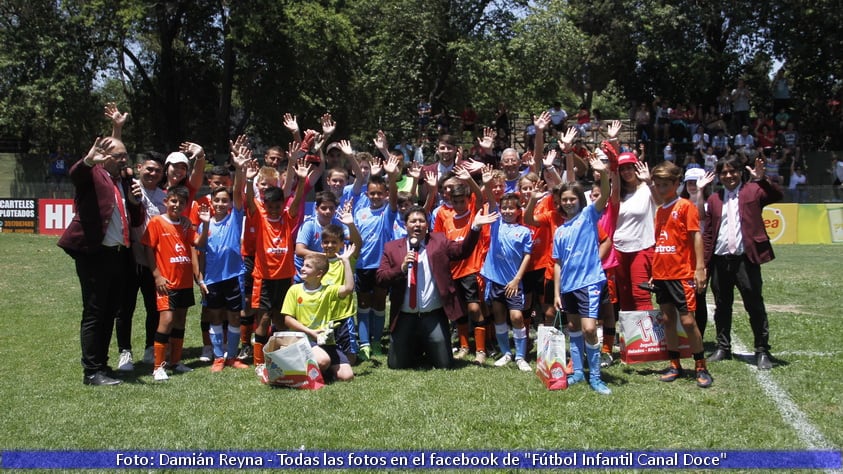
pixel 584 301
pixel 498 293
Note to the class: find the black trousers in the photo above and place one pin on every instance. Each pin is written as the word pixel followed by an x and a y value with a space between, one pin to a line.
pixel 727 273
pixel 103 277
pixel 139 279
pixel 416 336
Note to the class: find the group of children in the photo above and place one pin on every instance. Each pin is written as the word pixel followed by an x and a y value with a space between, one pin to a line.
pixel 261 264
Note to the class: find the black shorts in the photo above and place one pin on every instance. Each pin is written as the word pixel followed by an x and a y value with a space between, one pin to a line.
pixel 680 293
pixel 268 295
pixel 533 282
pixel 498 293
pixel 175 299
pixel 366 281
pixel 548 292
pixel 248 277
pixel 342 335
pixel 225 294
pixel 337 356
pixel 584 301
pixel 468 288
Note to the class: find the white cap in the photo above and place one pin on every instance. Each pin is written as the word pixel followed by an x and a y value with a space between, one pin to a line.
pixel 694 174
pixel 177 157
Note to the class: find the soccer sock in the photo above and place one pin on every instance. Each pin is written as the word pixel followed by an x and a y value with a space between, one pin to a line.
pixel 593 354
pixel 246 323
pixel 480 338
pixel 160 348
pixel 577 349
pixel 206 336
pixel 376 329
pixel 502 335
pixel 490 331
pixel 363 323
pixel 699 361
pixel 462 333
pixel 258 352
pixel 215 333
pixel 176 345
pixel 520 337
pixel 233 340
pixel 674 359
pixel 608 340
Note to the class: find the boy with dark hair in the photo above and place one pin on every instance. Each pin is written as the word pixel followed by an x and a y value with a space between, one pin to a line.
pixel 678 268
pixel 167 239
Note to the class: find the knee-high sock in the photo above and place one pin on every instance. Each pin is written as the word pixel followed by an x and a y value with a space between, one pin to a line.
pixel 502 334
pixel 593 352
pixel 577 350
pixel 480 338
pixel 520 336
pixel 215 333
pixel 376 329
pixel 160 343
pixel 233 340
pixel 176 345
pixel 462 333
pixel 258 349
pixel 363 325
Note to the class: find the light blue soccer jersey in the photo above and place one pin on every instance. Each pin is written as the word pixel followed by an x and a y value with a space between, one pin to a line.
pixel 508 243
pixel 575 247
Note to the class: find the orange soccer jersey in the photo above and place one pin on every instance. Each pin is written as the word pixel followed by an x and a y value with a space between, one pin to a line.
pixel 171 242
pixel 456 228
pixel 274 246
pixel 674 253
pixel 548 219
pixel 194 209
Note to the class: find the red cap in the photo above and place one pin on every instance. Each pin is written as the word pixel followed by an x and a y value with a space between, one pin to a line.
pixel 627 158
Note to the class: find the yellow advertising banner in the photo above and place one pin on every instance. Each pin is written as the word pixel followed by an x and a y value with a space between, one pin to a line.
pixel 782 223
pixel 819 222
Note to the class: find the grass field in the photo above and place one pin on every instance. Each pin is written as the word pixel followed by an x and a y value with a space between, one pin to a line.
pixel 47 407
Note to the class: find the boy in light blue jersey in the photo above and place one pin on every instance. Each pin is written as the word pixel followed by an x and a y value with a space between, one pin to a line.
pixel 309 237
pixel 506 262
pixel 578 277
pixel 375 224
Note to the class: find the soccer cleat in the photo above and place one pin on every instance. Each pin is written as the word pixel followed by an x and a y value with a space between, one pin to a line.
pixel 263 375
pixel 670 374
pixel 576 377
pixel 125 363
pixel 507 358
pixel 461 353
pixel 149 355
pixel 523 365
pixel 606 360
pixel 245 352
pixel 704 379
pixel 236 363
pixel 600 387
pixel 207 354
pixel 218 365
pixel 365 353
pixel 160 373
pixel 181 368
pixel 480 358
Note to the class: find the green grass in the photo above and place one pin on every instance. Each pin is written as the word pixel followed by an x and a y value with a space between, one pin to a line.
pixel 47 407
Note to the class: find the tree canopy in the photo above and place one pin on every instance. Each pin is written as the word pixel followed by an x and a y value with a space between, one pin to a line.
pixel 207 71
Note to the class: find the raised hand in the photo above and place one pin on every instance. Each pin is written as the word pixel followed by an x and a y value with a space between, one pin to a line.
pixel 642 171
pixel 473 165
pixel 328 125
pixel 462 173
pixel 568 137
pixel 113 113
pixel 302 168
pixel 414 171
pixel 377 167
pixel 345 147
pixel 347 251
pixel 252 169
pixel 614 128
pixel 241 156
pixel 550 158
pixel 430 179
pixel 481 219
pixel 290 123
pixel 391 165
pixel 192 150
pixel 758 171
pixel 380 141
pixel 487 173
pixel 542 121
pixel 345 215
pixel 598 165
pixel 205 213
pixel 488 140
pixel 707 179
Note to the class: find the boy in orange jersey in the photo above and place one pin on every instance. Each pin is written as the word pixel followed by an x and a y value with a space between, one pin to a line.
pixel 274 252
pixel 167 240
pixel 678 268
pixel 455 222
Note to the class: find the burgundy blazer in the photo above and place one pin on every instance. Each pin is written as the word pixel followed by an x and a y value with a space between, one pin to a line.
pixel 752 198
pixel 440 251
pixel 94 204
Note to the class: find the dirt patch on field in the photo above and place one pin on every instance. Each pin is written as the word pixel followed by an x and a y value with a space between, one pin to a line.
pixel 784 308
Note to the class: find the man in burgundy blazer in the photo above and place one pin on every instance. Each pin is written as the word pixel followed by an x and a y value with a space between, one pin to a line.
pixel 734 254
pixel 96 240
pixel 423 329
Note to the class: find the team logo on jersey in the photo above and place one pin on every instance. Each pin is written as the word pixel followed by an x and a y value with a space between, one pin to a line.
pixel 663 235
pixel 179 248
pixel 674 215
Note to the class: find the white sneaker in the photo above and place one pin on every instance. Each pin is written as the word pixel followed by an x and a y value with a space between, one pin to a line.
pixel 160 373
pixel 181 368
pixel 207 354
pixel 523 365
pixel 125 363
pixel 149 355
pixel 507 358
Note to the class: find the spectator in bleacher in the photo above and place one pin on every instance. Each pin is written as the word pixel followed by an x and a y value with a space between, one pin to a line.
pixel 720 143
pixel 642 123
pixel 781 91
pixel 662 119
pixel 713 121
pixel 558 116
pixel 530 133
pixel 797 184
pixel 740 97
pixel 744 144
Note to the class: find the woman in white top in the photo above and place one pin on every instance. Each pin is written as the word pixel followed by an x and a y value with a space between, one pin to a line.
pixel 634 236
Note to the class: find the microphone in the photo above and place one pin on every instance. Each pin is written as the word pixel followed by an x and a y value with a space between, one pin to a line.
pixel 415 245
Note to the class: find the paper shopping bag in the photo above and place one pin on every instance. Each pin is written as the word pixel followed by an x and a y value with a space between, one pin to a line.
pixel 642 337
pixel 550 358
pixel 290 363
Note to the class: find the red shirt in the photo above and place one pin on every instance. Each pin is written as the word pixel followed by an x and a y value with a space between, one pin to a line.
pixel 674 257
pixel 171 243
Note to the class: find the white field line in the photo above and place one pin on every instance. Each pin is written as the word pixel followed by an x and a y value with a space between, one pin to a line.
pixel 790 412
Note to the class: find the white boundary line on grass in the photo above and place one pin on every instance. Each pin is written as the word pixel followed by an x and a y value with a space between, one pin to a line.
pixel 809 434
